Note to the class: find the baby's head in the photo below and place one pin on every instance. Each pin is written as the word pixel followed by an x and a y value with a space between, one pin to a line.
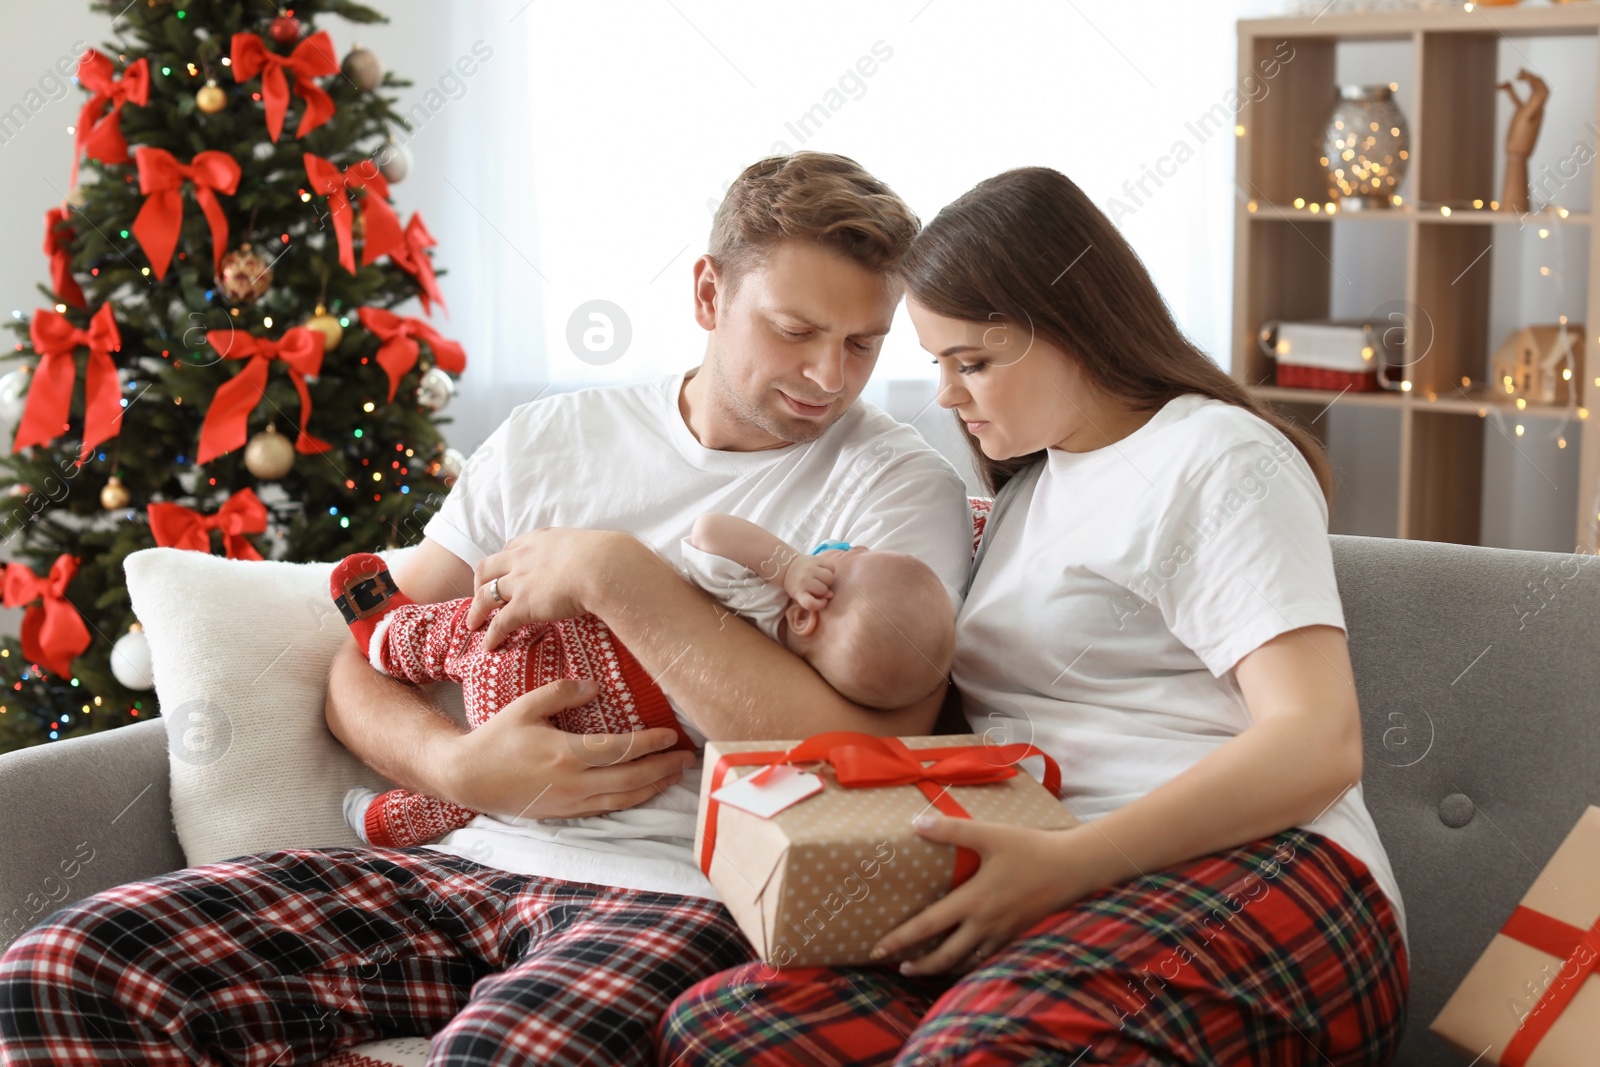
pixel 887 638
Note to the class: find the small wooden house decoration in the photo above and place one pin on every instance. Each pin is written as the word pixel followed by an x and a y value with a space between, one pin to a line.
pixel 1540 364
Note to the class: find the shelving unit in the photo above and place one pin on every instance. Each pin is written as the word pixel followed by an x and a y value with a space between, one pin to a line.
pixel 1283 254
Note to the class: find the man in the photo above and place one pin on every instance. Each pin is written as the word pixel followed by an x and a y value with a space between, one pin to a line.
pixel 558 928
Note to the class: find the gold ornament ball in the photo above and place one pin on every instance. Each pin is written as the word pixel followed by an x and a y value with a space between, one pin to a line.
pixel 244 275
pixel 76 196
pixel 114 496
pixel 210 99
pixel 328 326
pixel 363 67
pixel 269 455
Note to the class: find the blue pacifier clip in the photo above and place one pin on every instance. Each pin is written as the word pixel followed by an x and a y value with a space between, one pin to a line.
pixel 845 545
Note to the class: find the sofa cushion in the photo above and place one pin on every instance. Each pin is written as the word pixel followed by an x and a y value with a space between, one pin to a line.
pixel 241 651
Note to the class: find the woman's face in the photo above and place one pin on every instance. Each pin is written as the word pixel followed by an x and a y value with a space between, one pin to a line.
pixel 1016 393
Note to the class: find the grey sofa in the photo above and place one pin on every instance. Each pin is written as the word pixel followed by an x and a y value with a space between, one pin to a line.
pixel 1479 677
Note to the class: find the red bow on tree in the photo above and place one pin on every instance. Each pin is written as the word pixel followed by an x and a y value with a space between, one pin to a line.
pixel 56 237
pixel 176 526
pixel 311 58
pixel 412 257
pixel 161 179
pixel 225 425
pixel 50 396
pixel 383 225
pixel 52 630
pixel 99 130
pixel 398 353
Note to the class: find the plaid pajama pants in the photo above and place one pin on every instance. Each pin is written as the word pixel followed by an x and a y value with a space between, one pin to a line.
pixel 1282 951
pixel 287 957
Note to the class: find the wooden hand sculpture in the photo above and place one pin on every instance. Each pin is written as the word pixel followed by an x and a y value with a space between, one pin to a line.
pixel 1520 139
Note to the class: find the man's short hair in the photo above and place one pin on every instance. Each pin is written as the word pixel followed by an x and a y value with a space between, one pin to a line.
pixel 811 196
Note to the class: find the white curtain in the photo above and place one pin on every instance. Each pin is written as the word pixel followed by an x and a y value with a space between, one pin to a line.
pixel 471 176
pixel 582 162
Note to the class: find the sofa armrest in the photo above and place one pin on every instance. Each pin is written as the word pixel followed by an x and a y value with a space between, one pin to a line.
pixel 82 815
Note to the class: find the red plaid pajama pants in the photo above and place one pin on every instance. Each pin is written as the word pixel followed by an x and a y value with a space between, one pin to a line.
pixel 287 957
pixel 1283 951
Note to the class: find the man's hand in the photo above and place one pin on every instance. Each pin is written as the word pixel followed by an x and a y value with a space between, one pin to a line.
pixel 540 576
pixel 517 764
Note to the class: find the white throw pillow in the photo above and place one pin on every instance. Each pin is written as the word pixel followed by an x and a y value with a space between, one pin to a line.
pixel 241 651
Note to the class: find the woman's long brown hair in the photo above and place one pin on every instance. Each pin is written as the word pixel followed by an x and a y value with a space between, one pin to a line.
pixel 1028 248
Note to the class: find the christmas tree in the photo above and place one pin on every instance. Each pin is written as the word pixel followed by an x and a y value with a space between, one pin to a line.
pixel 217 366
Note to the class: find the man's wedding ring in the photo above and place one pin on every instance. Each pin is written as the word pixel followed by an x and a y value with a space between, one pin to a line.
pixel 494 592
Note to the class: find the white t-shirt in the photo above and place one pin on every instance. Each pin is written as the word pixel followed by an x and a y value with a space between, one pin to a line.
pixel 622 458
pixel 1118 588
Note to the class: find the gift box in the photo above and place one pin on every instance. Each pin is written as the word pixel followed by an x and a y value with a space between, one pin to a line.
pixel 1533 997
pixel 1312 355
pixel 819 882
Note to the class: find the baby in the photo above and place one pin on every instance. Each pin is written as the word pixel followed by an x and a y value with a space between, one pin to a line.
pixel 878 626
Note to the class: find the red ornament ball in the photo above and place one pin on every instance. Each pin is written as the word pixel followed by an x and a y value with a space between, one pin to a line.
pixel 244 276
pixel 284 29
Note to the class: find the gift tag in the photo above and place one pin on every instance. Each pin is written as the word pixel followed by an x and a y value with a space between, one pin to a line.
pixel 769 790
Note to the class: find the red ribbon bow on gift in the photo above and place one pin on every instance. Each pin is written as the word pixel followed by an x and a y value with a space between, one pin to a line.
pixel 50 396
pixel 52 630
pixel 176 526
pixel 225 425
pixel 398 353
pixel 161 179
pixel 861 761
pixel 383 225
pixel 311 58
pixel 56 237
pixel 1573 945
pixel 412 257
pixel 99 131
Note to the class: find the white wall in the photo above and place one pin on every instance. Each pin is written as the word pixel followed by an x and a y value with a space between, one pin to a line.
pixel 34 160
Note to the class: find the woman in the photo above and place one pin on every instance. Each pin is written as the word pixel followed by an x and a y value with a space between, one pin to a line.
pixel 1154 604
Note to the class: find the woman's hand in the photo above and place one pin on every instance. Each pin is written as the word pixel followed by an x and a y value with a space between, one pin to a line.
pixel 541 576
pixel 1024 875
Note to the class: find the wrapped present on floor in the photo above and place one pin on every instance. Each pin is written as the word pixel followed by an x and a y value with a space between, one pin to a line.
pixel 1533 997
pixel 811 843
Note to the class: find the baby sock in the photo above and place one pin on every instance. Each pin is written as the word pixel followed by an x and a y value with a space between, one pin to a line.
pixel 356 803
pixel 364 593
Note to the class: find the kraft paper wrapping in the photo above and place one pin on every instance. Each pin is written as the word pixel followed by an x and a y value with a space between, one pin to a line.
pixel 1499 996
pixel 819 883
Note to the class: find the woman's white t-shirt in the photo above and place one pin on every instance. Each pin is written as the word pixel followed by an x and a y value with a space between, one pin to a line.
pixel 1118 588
pixel 621 458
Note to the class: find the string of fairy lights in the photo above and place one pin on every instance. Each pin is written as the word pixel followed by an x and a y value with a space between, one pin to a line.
pixel 1493 399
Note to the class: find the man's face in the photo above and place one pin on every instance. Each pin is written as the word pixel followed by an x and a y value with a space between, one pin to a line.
pixel 793 346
